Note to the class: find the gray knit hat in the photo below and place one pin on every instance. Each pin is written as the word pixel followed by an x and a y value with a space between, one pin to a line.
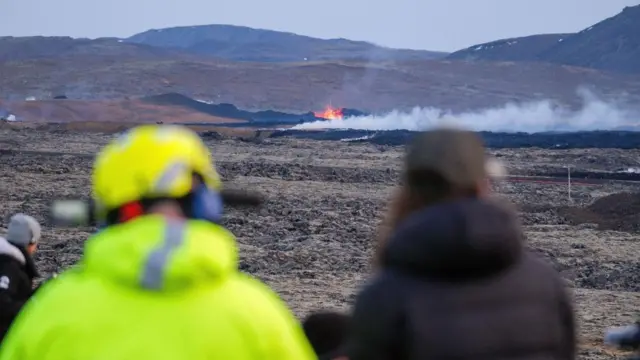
pixel 23 230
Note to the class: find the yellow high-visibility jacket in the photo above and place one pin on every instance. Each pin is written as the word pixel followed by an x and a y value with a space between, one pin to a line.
pixel 156 289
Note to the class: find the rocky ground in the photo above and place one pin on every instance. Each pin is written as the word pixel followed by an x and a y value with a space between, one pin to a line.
pixel 312 240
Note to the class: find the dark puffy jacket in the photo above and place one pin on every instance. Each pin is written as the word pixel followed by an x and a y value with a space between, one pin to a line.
pixel 456 283
pixel 17 271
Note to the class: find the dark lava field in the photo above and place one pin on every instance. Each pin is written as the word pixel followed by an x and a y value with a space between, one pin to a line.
pixel 496 140
pixel 313 238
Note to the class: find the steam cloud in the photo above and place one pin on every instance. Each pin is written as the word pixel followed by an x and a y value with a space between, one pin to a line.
pixel 532 117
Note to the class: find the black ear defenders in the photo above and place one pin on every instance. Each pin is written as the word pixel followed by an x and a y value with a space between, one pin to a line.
pixel 201 203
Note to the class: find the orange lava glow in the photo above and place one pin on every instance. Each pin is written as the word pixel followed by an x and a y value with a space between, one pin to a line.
pixel 330 113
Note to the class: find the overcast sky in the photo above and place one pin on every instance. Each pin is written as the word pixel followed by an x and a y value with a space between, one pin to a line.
pixel 444 25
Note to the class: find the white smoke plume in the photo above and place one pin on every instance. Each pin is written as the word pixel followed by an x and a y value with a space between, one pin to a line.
pixel 532 117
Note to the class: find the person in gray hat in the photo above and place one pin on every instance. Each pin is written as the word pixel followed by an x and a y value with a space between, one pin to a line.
pixel 17 268
pixel 454 279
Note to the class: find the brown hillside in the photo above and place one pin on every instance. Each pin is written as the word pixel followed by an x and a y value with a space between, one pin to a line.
pixel 117 111
pixel 302 87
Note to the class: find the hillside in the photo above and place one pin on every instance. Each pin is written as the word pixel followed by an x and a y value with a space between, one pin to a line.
pixel 612 44
pixel 112 111
pixel 178 60
pixel 48 47
pixel 241 43
pixel 233 43
pixel 525 48
pixel 226 110
pixel 303 87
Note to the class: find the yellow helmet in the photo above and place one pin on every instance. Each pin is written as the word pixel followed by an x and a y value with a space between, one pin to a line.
pixel 151 161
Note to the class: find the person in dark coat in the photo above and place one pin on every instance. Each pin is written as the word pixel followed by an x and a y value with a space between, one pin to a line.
pixel 453 279
pixel 17 268
pixel 327 332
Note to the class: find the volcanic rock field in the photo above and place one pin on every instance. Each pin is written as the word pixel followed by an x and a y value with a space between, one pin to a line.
pixel 312 240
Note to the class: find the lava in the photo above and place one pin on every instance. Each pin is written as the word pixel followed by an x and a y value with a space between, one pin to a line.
pixel 330 113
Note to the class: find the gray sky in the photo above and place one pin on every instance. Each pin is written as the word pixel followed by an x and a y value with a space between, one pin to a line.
pixel 444 25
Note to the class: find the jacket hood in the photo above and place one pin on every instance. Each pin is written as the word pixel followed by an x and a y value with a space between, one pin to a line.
pixel 456 240
pixel 164 255
pixel 20 255
pixel 6 248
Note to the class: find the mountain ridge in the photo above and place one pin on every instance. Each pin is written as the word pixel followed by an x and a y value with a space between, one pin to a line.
pixel 233 42
pixel 612 44
pixel 253 71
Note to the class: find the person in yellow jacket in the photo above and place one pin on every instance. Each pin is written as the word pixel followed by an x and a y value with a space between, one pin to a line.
pixel 160 280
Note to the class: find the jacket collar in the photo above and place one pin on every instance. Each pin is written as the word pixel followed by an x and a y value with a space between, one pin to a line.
pixel 20 255
pixel 456 240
